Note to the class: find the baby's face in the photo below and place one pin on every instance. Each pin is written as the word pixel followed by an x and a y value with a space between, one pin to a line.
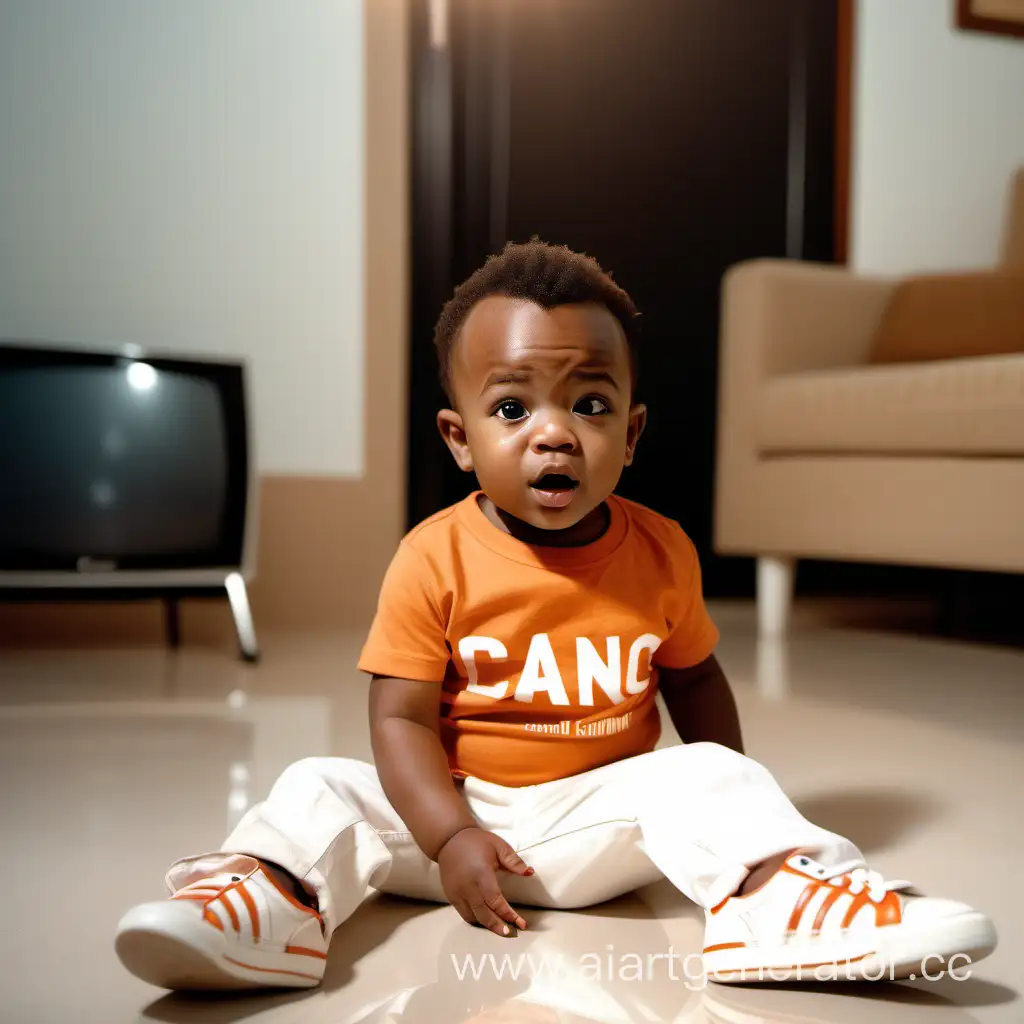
pixel 544 407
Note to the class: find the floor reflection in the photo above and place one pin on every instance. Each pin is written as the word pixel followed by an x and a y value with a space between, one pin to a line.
pixel 609 964
pixel 772 669
pixel 118 762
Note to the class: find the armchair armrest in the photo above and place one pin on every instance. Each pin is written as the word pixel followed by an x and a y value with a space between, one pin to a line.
pixel 783 316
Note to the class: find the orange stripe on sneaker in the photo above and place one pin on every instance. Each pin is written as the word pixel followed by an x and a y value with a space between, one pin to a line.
pixel 254 916
pixel 859 901
pixel 289 897
pixel 746 895
pixel 231 911
pixel 724 945
pixel 889 911
pixel 305 951
pixel 830 900
pixel 211 918
pixel 270 970
pixel 801 906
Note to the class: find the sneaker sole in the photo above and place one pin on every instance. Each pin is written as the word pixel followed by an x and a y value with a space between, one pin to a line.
pixel 203 962
pixel 923 952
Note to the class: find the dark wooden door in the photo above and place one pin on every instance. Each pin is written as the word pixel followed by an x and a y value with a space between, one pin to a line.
pixel 669 139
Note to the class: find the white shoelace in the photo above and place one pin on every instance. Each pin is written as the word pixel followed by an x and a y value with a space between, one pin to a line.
pixel 862 879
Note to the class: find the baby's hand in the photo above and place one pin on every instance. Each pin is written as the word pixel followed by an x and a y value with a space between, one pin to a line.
pixel 469 864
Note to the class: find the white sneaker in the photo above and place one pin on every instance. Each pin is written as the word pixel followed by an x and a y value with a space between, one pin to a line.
pixel 803 925
pixel 233 929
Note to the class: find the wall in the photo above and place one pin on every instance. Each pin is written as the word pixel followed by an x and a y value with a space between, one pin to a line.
pixel 189 176
pixel 332 490
pixel 938 130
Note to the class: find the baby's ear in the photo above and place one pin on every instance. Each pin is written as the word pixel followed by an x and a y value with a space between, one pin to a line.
pixel 449 422
pixel 637 422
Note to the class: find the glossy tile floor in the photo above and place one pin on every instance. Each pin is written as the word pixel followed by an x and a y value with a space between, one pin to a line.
pixel 116 762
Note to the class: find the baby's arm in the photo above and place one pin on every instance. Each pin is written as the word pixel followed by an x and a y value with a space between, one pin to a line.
pixel 412 763
pixel 414 772
pixel 700 704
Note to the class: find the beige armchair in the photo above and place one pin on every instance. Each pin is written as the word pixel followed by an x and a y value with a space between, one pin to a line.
pixel 822 454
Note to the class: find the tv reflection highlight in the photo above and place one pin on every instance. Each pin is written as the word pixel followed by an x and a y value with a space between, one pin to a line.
pixel 141 377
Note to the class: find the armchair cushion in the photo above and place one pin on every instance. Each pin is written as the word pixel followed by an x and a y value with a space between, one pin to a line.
pixel 952 316
pixel 959 407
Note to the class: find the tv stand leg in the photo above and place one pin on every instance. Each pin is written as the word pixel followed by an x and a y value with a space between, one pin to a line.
pixel 172 622
pixel 238 597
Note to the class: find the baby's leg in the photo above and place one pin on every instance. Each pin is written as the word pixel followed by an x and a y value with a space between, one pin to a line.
pixel 235 920
pixel 327 822
pixel 708 816
pixel 700 814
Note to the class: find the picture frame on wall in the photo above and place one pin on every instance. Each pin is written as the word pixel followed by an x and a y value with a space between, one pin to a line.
pixel 1004 17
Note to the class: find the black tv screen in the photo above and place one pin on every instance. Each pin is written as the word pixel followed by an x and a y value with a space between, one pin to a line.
pixel 116 463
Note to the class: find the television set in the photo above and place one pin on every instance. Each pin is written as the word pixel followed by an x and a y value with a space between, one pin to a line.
pixel 123 470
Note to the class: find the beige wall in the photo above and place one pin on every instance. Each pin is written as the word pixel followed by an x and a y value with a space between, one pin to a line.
pixel 188 176
pixel 325 538
pixel 938 131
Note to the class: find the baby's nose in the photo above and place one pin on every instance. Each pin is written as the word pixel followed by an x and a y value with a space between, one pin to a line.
pixel 555 435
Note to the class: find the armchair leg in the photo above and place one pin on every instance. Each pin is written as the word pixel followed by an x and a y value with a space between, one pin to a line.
pixel 775 576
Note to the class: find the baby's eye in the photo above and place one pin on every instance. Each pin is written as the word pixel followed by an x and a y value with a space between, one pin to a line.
pixel 591 406
pixel 511 410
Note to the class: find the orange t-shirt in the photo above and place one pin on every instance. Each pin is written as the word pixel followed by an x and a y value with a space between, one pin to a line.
pixel 548 656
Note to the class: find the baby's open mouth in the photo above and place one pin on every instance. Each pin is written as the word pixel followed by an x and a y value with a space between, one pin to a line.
pixel 554 482
pixel 555 490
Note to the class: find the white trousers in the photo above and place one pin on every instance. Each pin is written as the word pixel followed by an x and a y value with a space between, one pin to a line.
pixel 700 815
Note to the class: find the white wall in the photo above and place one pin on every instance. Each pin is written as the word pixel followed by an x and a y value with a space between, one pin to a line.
pixel 938 129
pixel 188 175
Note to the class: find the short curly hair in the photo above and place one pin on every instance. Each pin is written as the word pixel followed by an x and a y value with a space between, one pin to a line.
pixel 549 275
